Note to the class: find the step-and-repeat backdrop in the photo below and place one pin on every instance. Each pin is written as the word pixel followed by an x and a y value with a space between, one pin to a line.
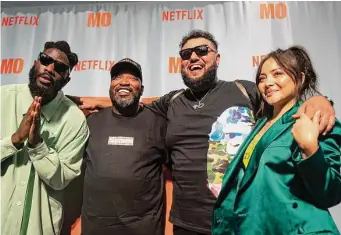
pixel 150 33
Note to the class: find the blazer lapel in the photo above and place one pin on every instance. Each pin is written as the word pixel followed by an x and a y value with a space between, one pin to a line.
pixel 233 167
pixel 280 126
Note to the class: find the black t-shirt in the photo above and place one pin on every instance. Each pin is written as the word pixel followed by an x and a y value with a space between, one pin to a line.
pixel 123 183
pixel 202 142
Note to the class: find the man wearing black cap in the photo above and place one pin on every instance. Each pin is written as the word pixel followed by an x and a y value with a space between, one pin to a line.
pixel 123 184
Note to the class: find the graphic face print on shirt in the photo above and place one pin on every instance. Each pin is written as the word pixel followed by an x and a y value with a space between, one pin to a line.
pixel 227 134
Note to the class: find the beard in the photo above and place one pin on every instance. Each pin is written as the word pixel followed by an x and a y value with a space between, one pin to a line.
pixel 202 83
pixel 120 103
pixel 46 93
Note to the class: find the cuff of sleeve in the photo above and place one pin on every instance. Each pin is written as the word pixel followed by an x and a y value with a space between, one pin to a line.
pixel 316 163
pixel 8 147
pixel 37 153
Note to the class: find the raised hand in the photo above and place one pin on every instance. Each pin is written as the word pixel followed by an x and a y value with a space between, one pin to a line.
pixel 20 136
pixel 319 103
pixel 306 132
pixel 34 137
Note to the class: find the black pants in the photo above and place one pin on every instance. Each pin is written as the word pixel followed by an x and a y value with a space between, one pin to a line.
pixel 181 231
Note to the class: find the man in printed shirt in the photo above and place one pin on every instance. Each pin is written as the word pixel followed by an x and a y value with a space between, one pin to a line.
pixel 43 135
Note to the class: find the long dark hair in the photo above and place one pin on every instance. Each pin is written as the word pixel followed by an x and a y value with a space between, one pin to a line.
pixel 294 61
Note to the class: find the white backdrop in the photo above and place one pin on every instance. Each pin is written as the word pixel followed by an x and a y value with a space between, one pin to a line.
pixel 150 32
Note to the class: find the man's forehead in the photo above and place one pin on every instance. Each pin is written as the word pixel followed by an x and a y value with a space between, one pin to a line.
pixel 57 55
pixel 197 42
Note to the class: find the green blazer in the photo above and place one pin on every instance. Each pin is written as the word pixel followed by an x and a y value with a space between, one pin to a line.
pixel 279 193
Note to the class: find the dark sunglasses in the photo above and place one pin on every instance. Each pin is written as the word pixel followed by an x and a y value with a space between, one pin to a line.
pixel 59 67
pixel 201 50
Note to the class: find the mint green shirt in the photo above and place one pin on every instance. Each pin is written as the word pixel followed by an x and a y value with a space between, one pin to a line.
pixel 56 161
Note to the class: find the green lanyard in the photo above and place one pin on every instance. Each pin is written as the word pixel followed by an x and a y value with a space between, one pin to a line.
pixel 28 202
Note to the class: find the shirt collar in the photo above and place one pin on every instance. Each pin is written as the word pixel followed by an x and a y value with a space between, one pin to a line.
pixel 49 109
pixel 287 117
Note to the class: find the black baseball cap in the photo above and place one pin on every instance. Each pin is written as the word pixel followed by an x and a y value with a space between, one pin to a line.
pixel 126 64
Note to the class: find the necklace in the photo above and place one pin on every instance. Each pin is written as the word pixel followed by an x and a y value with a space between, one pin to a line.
pixel 200 104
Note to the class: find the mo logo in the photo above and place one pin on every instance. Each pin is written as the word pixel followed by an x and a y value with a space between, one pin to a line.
pixel 99 19
pixel 273 11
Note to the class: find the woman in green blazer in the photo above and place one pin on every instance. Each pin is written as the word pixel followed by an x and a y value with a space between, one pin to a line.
pixel 285 176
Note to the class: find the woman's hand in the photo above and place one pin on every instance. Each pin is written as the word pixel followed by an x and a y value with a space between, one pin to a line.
pixel 306 133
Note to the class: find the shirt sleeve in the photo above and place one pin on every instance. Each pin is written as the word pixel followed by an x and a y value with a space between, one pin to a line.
pixel 163 133
pixel 7 148
pixel 8 112
pixel 160 106
pixel 58 168
pixel 321 171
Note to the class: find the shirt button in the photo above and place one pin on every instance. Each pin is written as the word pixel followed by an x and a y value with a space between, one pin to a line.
pixel 19 203
pixel 294 205
pixel 23 183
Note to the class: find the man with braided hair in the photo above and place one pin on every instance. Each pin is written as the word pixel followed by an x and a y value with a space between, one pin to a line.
pixel 43 134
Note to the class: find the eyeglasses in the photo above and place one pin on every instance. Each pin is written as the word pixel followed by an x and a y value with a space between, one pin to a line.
pixel 201 50
pixel 46 60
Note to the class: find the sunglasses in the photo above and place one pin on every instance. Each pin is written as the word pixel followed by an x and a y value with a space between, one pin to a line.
pixel 201 50
pixel 59 67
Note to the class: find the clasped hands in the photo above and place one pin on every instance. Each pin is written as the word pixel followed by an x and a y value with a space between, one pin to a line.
pixel 29 128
